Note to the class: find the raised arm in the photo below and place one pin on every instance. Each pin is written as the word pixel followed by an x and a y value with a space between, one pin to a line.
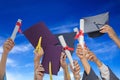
pixel 76 70
pixel 89 74
pixel 81 54
pixel 7 47
pixel 106 72
pixel 111 33
pixel 38 68
pixel 64 66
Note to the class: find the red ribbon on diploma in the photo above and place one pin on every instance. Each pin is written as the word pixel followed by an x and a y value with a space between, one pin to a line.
pixel 68 48
pixel 19 24
pixel 79 34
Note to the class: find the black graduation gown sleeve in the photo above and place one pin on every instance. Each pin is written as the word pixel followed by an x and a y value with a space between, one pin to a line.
pixel 90 76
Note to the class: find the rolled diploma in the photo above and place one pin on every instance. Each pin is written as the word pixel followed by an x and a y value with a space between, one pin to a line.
pixel 15 30
pixel 81 38
pixel 63 43
pixel 82 28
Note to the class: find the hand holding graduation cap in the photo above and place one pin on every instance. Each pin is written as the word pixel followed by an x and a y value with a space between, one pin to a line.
pixel 109 30
pixel 111 33
pixel 38 52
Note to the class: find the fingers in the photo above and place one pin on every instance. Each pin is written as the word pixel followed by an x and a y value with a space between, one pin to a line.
pixel 79 49
pixel 63 56
pixel 9 44
pixel 105 29
pixel 76 69
pixel 87 56
pixel 90 57
pixel 40 70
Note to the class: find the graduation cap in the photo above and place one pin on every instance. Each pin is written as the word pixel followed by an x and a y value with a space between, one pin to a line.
pixel 52 52
pixel 93 24
pixel 50 44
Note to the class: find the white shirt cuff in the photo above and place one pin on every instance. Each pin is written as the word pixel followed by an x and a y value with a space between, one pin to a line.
pixel 104 71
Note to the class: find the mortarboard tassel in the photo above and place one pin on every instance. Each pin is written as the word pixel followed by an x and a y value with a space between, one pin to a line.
pixel 50 70
pixel 38 47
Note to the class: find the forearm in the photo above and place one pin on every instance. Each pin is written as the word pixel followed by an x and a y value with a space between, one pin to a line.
pixel 116 40
pixel 98 63
pixel 66 74
pixel 36 63
pixel 35 78
pixel 77 77
pixel 3 64
pixel 103 69
pixel 86 65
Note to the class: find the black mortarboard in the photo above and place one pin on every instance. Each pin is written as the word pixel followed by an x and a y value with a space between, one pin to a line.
pixel 93 24
pixel 52 52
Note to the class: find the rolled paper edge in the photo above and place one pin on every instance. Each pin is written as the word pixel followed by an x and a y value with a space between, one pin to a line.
pixel 82 29
pixel 62 41
pixel 82 25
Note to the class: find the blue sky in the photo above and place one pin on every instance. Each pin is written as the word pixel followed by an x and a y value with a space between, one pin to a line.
pixel 60 16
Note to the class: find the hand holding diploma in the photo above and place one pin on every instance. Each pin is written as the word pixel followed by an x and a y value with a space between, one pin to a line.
pixel 63 43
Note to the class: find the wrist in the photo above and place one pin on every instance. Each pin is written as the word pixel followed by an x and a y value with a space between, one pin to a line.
pixel 113 36
pixel 77 77
pixel 65 68
pixel 37 59
pixel 83 59
pixel 5 52
pixel 98 62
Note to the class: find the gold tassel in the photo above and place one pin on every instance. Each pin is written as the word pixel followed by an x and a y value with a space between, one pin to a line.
pixel 38 47
pixel 50 70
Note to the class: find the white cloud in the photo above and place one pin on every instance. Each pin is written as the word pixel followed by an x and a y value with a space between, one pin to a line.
pixel 11 62
pixel 19 76
pixel 22 48
pixel 29 65
pixel 64 28
pixel 1 50
pixel 2 39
